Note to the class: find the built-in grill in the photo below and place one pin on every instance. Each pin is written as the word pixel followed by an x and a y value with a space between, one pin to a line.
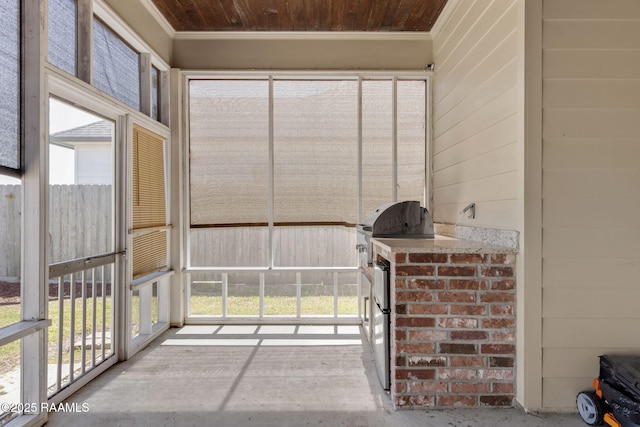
pixel 405 220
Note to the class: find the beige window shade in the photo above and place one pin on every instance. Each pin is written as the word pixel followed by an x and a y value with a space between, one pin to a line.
pixel 149 253
pixel 229 152
pixel 411 139
pixel 377 144
pixel 149 207
pixel 315 151
pixel 148 203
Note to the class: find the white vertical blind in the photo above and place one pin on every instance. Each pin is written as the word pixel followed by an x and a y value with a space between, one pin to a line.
pixel 62 34
pixel 116 66
pixel 10 84
pixel 315 151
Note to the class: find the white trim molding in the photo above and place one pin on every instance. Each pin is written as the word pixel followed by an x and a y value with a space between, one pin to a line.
pixel 302 35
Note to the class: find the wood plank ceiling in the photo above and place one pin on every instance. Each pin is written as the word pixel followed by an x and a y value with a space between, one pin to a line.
pixel 300 15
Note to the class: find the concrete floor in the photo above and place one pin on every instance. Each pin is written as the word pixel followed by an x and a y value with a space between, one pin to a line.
pixel 264 376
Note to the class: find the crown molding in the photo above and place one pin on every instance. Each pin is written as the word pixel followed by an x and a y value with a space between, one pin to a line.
pixel 301 35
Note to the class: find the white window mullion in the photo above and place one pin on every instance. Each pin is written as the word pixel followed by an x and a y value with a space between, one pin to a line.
pixel 272 248
pixel 335 294
pixel 261 309
pixel 359 208
pixel 298 294
pixel 225 294
pixel 394 155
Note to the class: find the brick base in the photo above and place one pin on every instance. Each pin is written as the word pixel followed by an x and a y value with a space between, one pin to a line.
pixel 453 329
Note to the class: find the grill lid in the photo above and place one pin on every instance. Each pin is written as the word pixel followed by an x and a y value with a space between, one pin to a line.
pixel 399 219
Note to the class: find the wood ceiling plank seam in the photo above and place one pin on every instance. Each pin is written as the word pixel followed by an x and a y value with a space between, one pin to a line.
pixel 324 14
pixel 169 12
pixel 362 16
pixel 194 14
pixel 378 9
pixel 232 14
pixel 270 15
pixel 310 15
pixel 244 11
pixel 297 13
pixel 389 19
pixel 350 15
pixel 286 21
pixel 337 15
pixel 258 11
pixel 216 12
pixel 419 10
pixel 401 15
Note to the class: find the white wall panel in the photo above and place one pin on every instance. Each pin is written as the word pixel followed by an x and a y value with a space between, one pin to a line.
pixel 490 113
pixel 475 105
pixel 587 153
pixel 594 303
pixel 492 163
pixel 586 213
pixel 591 190
pixel 499 134
pixel 601 273
pixel 594 242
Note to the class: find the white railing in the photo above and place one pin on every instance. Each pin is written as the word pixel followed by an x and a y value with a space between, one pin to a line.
pixel 82 320
pixel 280 295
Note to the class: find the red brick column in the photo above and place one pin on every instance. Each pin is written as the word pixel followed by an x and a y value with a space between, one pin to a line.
pixel 453 329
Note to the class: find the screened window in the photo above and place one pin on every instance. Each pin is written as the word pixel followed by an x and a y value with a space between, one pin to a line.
pixel 377 150
pixel 116 66
pixel 62 34
pixel 315 151
pixel 411 124
pixel 10 84
pixel 229 152
pixel 274 176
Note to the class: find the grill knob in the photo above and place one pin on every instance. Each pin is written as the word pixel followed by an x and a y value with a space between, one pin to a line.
pixel 361 247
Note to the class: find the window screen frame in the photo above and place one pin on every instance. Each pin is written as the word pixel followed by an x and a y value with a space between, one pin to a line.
pixel 8 170
pixel 154 229
pixel 310 75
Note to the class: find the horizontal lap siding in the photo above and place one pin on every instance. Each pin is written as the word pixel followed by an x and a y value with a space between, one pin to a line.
pixel 474 109
pixel 591 190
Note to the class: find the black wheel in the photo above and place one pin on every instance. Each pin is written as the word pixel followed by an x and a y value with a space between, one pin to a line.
pixel 590 408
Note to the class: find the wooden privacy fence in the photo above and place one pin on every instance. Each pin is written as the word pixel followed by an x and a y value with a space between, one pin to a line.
pixel 80 226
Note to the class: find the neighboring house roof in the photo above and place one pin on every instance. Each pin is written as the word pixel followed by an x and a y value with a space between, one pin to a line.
pixel 101 131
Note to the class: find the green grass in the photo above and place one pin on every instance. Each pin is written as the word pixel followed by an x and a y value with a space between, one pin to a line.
pixel 320 305
pixel 10 353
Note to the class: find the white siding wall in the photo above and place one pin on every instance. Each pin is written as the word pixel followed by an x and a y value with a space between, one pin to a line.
pixel 475 114
pixel 591 190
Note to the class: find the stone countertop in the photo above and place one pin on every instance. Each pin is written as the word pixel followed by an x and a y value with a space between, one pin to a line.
pixel 440 244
